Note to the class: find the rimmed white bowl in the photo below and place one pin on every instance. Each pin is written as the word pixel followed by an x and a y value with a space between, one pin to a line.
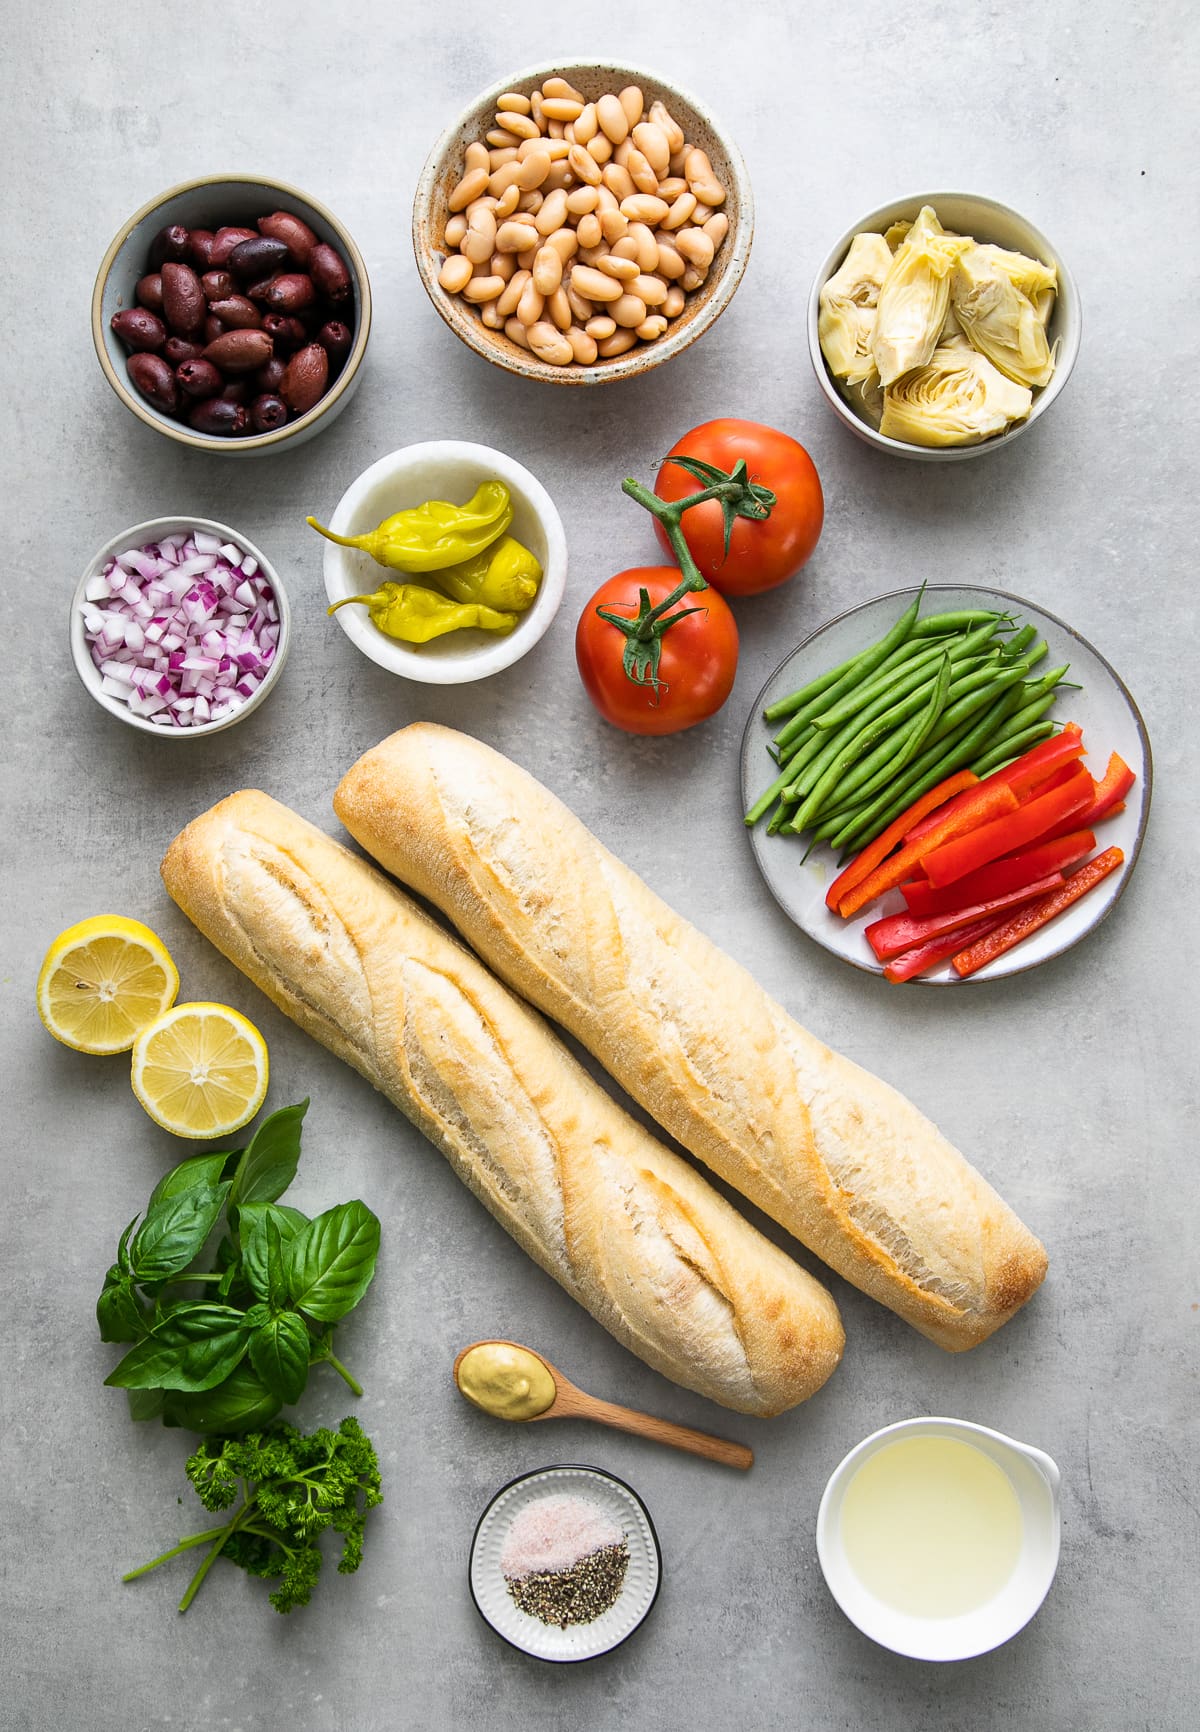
pixel 988 221
pixel 442 469
pixel 639 1591
pixel 444 168
pixel 1035 1480
pixel 140 535
pixel 209 202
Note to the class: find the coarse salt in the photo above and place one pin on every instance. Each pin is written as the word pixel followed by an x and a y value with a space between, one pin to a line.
pixel 554 1533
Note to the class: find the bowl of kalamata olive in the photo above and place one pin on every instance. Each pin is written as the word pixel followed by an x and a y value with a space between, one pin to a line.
pixel 232 314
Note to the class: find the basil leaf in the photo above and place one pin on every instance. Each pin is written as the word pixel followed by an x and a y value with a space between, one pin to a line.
pixel 241 1403
pixel 196 1170
pixel 279 1354
pixel 266 1229
pixel 123 1247
pixel 329 1264
pixel 269 1164
pixel 144 1403
pixel 194 1348
pixel 174 1232
pixel 119 1312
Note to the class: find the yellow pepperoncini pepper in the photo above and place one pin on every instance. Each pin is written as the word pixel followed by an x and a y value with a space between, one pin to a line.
pixel 413 614
pixel 434 535
pixel 505 576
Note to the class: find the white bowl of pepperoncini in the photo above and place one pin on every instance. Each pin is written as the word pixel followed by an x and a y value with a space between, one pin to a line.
pixel 447 539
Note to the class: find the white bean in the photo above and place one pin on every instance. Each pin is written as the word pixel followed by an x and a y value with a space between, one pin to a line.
pixel 455 274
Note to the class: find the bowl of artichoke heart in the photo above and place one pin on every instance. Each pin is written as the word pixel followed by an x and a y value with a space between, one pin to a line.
pixel 942 326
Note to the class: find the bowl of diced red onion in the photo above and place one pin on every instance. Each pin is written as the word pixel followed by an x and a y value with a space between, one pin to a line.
pixel 179 626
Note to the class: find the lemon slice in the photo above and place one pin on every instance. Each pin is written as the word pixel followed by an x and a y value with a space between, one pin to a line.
pixel 200 1070
pixel 103 980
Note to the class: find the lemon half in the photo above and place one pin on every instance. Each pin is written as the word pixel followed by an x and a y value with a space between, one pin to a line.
pixel 102 981
pixel 200 1070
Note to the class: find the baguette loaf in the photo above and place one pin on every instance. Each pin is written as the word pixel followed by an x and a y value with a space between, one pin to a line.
pixel 628 1228
pixel 833 1154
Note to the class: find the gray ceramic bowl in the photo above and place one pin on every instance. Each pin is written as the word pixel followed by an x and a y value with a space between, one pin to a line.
pixel 444 168
pixel 985 220
pixel 208 203
pixel 141 535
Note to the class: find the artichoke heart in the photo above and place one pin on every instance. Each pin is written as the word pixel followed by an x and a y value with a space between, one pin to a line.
pixel 1000 320
pixel 1031 276
pixel 915 298
pixel 959 398
pixel 848 301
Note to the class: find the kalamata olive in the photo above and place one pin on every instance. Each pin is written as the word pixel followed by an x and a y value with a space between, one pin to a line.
pixel 149 292
pixel 236 313
pixel 183 298
pixel 218 415
pixel 297 237
pixel 290 292
pixel 139 329
pixel 268 412
pixel 224 243
pixel 236 391
pixel 268 379
pixel 260 290
pixel 169 243
pixel 251 260
pixel 155 380
pixel 199 378
pixel 335 338
pixel 305 379
pixel 327 269
pixel 218 285
pixel 200 246
pixel 213 328
pixel 286 332
pixel 178 349
pixel 240 351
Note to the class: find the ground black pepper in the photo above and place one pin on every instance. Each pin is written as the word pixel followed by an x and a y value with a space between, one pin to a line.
pixel 576 1595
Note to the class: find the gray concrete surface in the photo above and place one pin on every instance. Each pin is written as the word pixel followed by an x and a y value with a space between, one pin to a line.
pixel 1073 1088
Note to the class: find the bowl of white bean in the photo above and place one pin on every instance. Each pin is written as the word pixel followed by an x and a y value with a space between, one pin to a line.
pixel 580 223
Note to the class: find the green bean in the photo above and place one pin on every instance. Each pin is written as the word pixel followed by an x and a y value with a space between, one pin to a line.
pixel 1011 748
pixel 935 623
pixel 864 665
pixel 786 706
pixel 1019 642
pixel 768 797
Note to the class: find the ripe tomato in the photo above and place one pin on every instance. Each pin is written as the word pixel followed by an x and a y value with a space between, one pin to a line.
pixel 761 554
pixel 697 665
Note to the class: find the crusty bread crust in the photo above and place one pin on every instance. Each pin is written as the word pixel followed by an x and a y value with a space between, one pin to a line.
pixel 833 1154
pixel 624 1225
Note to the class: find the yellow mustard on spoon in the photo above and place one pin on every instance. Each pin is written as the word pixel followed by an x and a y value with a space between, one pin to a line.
pixel 513 1382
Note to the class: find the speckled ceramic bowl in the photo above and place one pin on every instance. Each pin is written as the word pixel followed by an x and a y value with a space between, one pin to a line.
pixel 986 221
pixel 444 168
pixel 207 203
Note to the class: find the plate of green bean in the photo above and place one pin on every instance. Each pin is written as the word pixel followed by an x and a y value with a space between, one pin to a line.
pixel 889 699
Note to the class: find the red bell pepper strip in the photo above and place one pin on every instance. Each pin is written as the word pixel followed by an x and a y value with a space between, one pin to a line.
pixel 1110 794
pixel 1035 914
pixel 1055 779
pixel 1026 771
pixel 967 853
pixel 896 933
pixel 983 804
pixel 881 847
pixel 914 962
pixel 1011 873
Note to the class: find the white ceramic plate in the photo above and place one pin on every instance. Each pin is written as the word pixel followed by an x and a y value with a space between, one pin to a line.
pixel 1104 710
pixel 578 1641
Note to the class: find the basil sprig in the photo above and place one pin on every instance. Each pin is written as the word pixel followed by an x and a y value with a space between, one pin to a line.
pixel 277 1283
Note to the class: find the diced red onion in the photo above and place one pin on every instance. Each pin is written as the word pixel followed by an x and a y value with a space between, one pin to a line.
pixel 184 630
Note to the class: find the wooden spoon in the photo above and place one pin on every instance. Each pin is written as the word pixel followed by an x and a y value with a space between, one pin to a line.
pixel 570 1402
